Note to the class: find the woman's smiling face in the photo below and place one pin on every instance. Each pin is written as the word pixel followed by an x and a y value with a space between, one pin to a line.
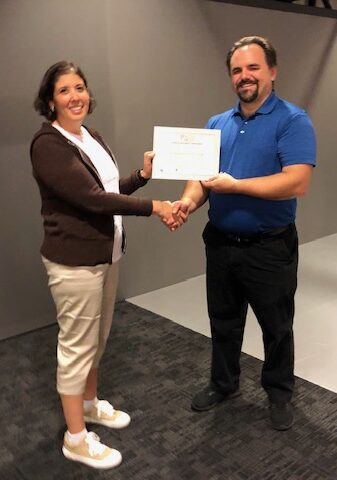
pixel 71 101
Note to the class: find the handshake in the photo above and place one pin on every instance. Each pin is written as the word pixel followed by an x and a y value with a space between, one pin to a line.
pixel 173 215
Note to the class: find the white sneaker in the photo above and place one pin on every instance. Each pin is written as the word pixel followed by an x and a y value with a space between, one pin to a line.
pixel 92 452
pixel 103 413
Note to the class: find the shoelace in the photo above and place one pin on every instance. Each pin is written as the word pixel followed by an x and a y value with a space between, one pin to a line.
pixel 94 444
pixel 103 406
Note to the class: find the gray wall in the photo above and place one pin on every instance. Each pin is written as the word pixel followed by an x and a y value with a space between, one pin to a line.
pixel 149 62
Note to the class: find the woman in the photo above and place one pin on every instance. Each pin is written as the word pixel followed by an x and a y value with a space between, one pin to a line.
pixel 83 199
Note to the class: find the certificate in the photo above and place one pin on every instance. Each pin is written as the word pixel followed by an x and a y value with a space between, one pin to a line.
pixel 185 153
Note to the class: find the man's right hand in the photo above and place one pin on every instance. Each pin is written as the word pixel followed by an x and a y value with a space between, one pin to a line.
pixel 180 212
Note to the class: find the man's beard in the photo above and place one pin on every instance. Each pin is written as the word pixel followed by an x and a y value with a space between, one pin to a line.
pixel 248 97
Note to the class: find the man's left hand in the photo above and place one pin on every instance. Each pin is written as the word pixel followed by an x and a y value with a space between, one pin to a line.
pixel 222 183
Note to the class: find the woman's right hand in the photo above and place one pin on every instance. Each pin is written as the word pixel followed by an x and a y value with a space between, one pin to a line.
pixel 167 212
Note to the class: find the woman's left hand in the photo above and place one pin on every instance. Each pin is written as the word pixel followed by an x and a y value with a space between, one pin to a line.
pixel 146 171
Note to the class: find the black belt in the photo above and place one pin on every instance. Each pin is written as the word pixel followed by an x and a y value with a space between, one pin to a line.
pixel 256 237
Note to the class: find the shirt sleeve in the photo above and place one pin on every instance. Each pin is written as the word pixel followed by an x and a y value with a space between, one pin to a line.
pixel 297 142
pixel 57 166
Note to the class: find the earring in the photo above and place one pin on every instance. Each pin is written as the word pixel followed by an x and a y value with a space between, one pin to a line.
pixel 52 108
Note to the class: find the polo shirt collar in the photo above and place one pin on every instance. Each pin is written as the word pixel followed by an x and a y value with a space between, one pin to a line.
pixel 267 106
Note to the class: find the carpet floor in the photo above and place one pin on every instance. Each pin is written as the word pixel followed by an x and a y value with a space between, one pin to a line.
pixel 151 368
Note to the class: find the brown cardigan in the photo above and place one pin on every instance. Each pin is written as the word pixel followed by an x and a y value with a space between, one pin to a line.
pixel 77 212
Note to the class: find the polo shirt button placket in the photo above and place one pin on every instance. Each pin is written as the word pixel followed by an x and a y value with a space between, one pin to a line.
pixel 242 128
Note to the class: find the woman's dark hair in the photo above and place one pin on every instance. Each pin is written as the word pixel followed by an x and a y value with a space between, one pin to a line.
pixel 46 90
pixel 264 43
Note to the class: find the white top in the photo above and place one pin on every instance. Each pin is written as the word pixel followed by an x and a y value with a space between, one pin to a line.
pixel 108 173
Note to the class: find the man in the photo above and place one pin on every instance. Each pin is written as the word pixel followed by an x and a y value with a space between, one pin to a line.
pixel 267 157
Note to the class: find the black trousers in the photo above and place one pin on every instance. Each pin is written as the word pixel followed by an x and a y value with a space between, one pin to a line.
pixel 261 272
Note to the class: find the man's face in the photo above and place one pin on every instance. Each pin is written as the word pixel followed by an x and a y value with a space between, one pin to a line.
pixel 251 77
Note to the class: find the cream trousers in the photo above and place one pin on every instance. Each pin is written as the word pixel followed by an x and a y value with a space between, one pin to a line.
pixel 84 298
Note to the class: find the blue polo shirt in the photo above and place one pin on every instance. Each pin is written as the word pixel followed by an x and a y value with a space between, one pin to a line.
pixel 277 135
